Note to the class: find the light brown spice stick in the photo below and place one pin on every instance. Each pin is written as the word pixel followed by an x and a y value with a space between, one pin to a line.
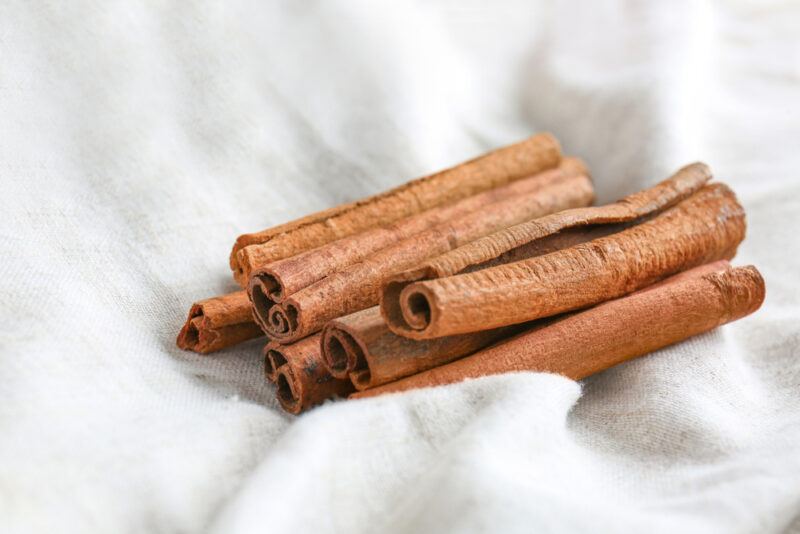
pixel 593 340
pixel 302 379
pixel 361 346
pixel 707 226
pixel 280 279
pixel 252 251
pixel 217 323
pixel 357 286
pixel 542 236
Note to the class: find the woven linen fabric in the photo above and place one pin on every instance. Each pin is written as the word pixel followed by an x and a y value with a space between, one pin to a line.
pixel 137 140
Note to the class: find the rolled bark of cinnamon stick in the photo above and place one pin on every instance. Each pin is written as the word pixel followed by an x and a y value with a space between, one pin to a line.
pixel 543 236
pixel 707 226
pixel 273 360
pixel 217 323
pixel 282 278
pixel 497 168
pixel 302 379
pixel 593 340
pixel 357 286
pixel 360 346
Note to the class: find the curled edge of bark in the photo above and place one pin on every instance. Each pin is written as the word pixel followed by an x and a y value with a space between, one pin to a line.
pixel 407 310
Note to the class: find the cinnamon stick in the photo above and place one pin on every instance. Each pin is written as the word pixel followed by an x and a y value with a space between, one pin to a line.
pixel 217 323
pixel 273 360
pixel 543 236
pixel 593 340
pixel 302 379
pixel 360 346
pixel 282 278
pixel 497 168
pixel 707 226
pixel 357 286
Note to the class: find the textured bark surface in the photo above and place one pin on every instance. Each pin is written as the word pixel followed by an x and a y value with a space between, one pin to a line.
pixel 593 340
pixel 544 235
pixel 217 323
pixel 358 286
pixel 282 278
pixel 707 226
pixel 302 379
pixel 253 251
pixel 360 346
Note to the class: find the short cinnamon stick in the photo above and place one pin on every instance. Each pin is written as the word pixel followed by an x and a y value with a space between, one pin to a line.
pixel 302 379
pixel 593 340
pixel 282 278
pixel 361 346
pixel 707 226
pixel 535 154
pixel 357 286
pixel 217 323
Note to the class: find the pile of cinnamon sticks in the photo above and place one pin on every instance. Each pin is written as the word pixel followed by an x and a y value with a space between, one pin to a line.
pixel 495 265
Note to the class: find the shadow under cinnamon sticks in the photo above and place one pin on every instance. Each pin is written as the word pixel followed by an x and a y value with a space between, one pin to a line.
pixel 583 343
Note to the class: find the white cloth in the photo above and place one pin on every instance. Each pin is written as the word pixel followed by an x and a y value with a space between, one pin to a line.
pixel 136 143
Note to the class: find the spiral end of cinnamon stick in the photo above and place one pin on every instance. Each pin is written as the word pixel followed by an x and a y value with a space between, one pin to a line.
pixel 271 284
pixel 341 352
pixel 193 336
pixel 259 292
pixel 277 320
pixel 273 361
pixel 408 308
pixel 288 392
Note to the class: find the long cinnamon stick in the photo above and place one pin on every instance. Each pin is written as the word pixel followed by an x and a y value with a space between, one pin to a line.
pixel 593 340
pixel 707 226
pixel 282 278
pixel 361 346
pixel 535 154
pixel 219 322
pixel 357 286
pixel 542 236
pixel 302 379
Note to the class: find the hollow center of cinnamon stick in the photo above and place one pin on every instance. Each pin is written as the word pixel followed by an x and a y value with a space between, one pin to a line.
pixel 192 337
pixel 273 361
pixel 285 392
pixel 417 311
pixel 336 354
pixel 361 377
pixel 261 302
pixel 271 285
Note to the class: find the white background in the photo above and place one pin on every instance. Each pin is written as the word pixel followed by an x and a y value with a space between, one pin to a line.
pixel 137 140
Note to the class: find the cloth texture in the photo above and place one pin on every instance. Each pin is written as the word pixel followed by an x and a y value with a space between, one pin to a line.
pixel 137 140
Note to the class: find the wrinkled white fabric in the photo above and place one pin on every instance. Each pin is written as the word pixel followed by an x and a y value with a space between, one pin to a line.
pixel 136 142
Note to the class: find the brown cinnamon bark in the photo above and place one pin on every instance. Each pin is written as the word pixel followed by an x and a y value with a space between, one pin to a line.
pixel 252 251
pixel 282 278
pixel 707 226
pixel 543 236
pixel 593 340
pixel 273 360
pixel 302 379
pixel 357 286
pixel 218 323
pixel 360 346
